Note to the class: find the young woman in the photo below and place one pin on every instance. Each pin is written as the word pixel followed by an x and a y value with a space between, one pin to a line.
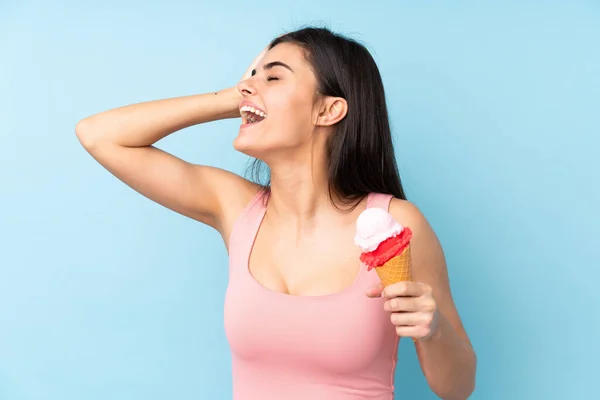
pixel 304 320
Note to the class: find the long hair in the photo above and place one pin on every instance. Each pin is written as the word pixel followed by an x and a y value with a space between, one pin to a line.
pixel 360 152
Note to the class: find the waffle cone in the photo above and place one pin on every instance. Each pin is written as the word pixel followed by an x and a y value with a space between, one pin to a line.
pixel 397 269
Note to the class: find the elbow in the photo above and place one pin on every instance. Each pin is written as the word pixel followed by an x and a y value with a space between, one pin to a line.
pixel 85 134
pixel 463 392
pixel 458 387
pixel 456 393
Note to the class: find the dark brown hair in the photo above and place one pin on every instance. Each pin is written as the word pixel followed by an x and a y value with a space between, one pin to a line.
pixel 361 156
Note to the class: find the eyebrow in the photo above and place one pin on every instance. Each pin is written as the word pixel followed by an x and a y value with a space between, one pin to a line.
pixel 277 64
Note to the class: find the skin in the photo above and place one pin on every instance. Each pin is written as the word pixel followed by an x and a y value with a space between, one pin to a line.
pixel 300 224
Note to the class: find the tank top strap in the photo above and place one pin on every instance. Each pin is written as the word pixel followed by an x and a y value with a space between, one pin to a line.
pixel 245 227
pixel 379 200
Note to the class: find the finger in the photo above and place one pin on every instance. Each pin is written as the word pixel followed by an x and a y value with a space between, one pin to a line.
pixel 411 319
pixel 417 332
pixel 255 63
pixel 405 288
pixel 375 291
pixel 403 304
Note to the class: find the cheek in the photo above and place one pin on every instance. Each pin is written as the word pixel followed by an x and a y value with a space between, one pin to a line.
pixel 294 104
pixel 290 117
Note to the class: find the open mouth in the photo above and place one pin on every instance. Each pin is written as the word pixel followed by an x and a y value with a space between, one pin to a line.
pixel 251 115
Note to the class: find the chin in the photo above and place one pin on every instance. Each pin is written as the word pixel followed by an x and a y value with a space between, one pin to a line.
pixel 243 144
pixel 248 146
pixel 260 143
pixel 252 141
pixel 258 151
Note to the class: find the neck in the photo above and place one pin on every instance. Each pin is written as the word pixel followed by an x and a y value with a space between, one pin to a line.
pixel 299 189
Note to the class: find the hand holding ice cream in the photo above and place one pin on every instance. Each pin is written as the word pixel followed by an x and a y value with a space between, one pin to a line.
pixel 386 247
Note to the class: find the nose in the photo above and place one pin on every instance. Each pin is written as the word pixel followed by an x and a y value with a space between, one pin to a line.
pixel 246 88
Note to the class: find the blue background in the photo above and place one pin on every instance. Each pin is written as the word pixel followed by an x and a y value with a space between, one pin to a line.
pixel 495 107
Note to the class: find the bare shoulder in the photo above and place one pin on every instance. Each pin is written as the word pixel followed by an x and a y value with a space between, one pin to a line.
pixel 407 213
pixel 233 188
pixel 234 194
pixel 428 257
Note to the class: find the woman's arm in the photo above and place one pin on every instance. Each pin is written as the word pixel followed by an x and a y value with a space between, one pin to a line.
pixel 122 139
pixel 424 310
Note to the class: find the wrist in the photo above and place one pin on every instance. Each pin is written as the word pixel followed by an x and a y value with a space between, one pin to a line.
pixel 231 98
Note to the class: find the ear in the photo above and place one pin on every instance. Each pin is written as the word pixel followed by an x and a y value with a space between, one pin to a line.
pixel 331 111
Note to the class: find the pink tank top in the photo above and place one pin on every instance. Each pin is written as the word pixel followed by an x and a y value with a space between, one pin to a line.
pixel 341 346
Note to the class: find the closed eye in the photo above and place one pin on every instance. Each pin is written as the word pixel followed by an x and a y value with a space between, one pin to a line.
pixel 272 78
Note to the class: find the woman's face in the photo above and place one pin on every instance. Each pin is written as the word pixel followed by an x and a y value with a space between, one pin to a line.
pixel 283 89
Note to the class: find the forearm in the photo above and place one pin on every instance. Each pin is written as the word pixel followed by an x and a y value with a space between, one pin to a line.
pixel 144 124
pixel 448 363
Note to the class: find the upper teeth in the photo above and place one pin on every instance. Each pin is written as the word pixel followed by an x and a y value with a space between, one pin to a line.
pixel 253 110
